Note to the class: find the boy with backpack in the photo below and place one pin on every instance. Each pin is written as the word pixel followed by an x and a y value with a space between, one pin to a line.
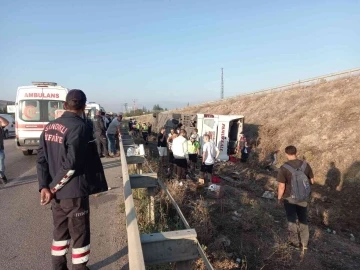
pixel 294 180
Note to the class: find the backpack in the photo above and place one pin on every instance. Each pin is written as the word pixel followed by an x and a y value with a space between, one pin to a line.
pixel 300 184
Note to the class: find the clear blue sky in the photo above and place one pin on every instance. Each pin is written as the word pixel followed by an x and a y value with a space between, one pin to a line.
pixel 171 51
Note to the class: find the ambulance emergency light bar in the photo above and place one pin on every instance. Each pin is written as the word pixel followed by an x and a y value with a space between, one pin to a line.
pixel 46 84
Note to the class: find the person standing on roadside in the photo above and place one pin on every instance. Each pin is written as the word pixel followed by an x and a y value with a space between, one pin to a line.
pixel 100 135
pixel 195 132
pixel 149 128
pixel 3 124
pixel 145 132
pixel 180 150
pixel 69 170
pixel 172 135
pixel 193 150
pixel 209 154
pixel 162 146
pixel 112 131
pixel 294 179
pixel 245 152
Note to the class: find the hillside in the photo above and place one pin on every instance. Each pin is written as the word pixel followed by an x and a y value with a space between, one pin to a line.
pixel 322 121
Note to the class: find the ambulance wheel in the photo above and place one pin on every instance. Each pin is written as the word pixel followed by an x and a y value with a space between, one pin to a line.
pixel 28 152
pixel 6 135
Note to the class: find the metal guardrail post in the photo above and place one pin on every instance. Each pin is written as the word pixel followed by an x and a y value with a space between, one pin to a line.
pixel 135 253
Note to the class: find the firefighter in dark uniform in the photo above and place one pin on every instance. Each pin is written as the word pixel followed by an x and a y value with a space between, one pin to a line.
pixel 100 134
pixel 69 170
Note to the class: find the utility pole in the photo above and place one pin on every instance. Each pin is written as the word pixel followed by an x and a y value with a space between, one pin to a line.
pixel 222 83
pixel 134 100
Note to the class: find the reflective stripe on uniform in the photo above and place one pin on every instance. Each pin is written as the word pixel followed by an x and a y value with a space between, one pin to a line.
pixel 80 255
pixel 60 248
pixel 63 181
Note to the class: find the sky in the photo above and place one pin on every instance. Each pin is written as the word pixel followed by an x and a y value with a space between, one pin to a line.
pixel 170 52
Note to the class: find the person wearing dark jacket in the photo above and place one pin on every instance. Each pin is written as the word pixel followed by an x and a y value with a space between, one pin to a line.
pixel 3 124
pixel 69 170
pixel 100 134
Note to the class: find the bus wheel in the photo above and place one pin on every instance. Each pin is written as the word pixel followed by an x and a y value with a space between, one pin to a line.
pixel 27 152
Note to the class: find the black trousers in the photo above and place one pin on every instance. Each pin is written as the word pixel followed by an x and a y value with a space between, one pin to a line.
pixel 71 221
pixel 102 144
pixel 145 136
pixel 193 161
pixel 181 166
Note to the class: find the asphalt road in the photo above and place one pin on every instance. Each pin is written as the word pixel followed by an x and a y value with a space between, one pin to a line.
pixel 26 227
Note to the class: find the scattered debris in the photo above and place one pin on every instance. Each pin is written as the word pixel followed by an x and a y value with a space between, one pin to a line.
pixel 225 241
pixel 352 237
pixel 268 195
pixel 229 255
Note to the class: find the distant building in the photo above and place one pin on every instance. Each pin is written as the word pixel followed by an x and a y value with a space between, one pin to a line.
pixel 4 103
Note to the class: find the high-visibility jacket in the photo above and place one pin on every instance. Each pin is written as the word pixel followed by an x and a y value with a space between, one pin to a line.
pixel 137 126
pixel 193 147
pixel 145 128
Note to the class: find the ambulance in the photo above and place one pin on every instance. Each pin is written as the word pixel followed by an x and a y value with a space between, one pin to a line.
pixel 35 106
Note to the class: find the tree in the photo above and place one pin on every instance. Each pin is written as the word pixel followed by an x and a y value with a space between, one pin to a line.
pixel 157 108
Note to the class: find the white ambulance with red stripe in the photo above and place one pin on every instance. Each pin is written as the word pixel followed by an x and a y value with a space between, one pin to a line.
pixel 36 105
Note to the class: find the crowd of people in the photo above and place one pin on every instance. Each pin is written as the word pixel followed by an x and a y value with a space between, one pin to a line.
pixel 140 129
pixel 179 152
pixel 107 130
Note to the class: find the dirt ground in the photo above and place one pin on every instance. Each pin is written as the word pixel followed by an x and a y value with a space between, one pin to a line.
pixel 322 121
pixel 244 226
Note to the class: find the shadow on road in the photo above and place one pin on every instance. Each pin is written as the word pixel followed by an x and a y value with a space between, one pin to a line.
pixel 19 182
pixel 109 260
pixel 111 164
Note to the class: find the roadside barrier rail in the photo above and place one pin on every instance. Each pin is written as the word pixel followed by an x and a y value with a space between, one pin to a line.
pixel 135 253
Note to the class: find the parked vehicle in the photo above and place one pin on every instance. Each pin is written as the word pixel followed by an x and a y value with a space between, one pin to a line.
pixel 9 130
pixel 36 105
pixel 93 105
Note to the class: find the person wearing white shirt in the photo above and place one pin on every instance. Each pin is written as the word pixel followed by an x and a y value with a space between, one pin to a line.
pixel 180 151
pixel 210 154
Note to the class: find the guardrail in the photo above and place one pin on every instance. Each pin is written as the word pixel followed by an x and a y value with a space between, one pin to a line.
pixel 135 254
pixel 180 246
pixel 289 86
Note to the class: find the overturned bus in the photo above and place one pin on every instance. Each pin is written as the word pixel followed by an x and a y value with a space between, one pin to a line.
pixel 225 130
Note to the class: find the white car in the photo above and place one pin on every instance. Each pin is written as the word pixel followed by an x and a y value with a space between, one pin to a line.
pixel 9 130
